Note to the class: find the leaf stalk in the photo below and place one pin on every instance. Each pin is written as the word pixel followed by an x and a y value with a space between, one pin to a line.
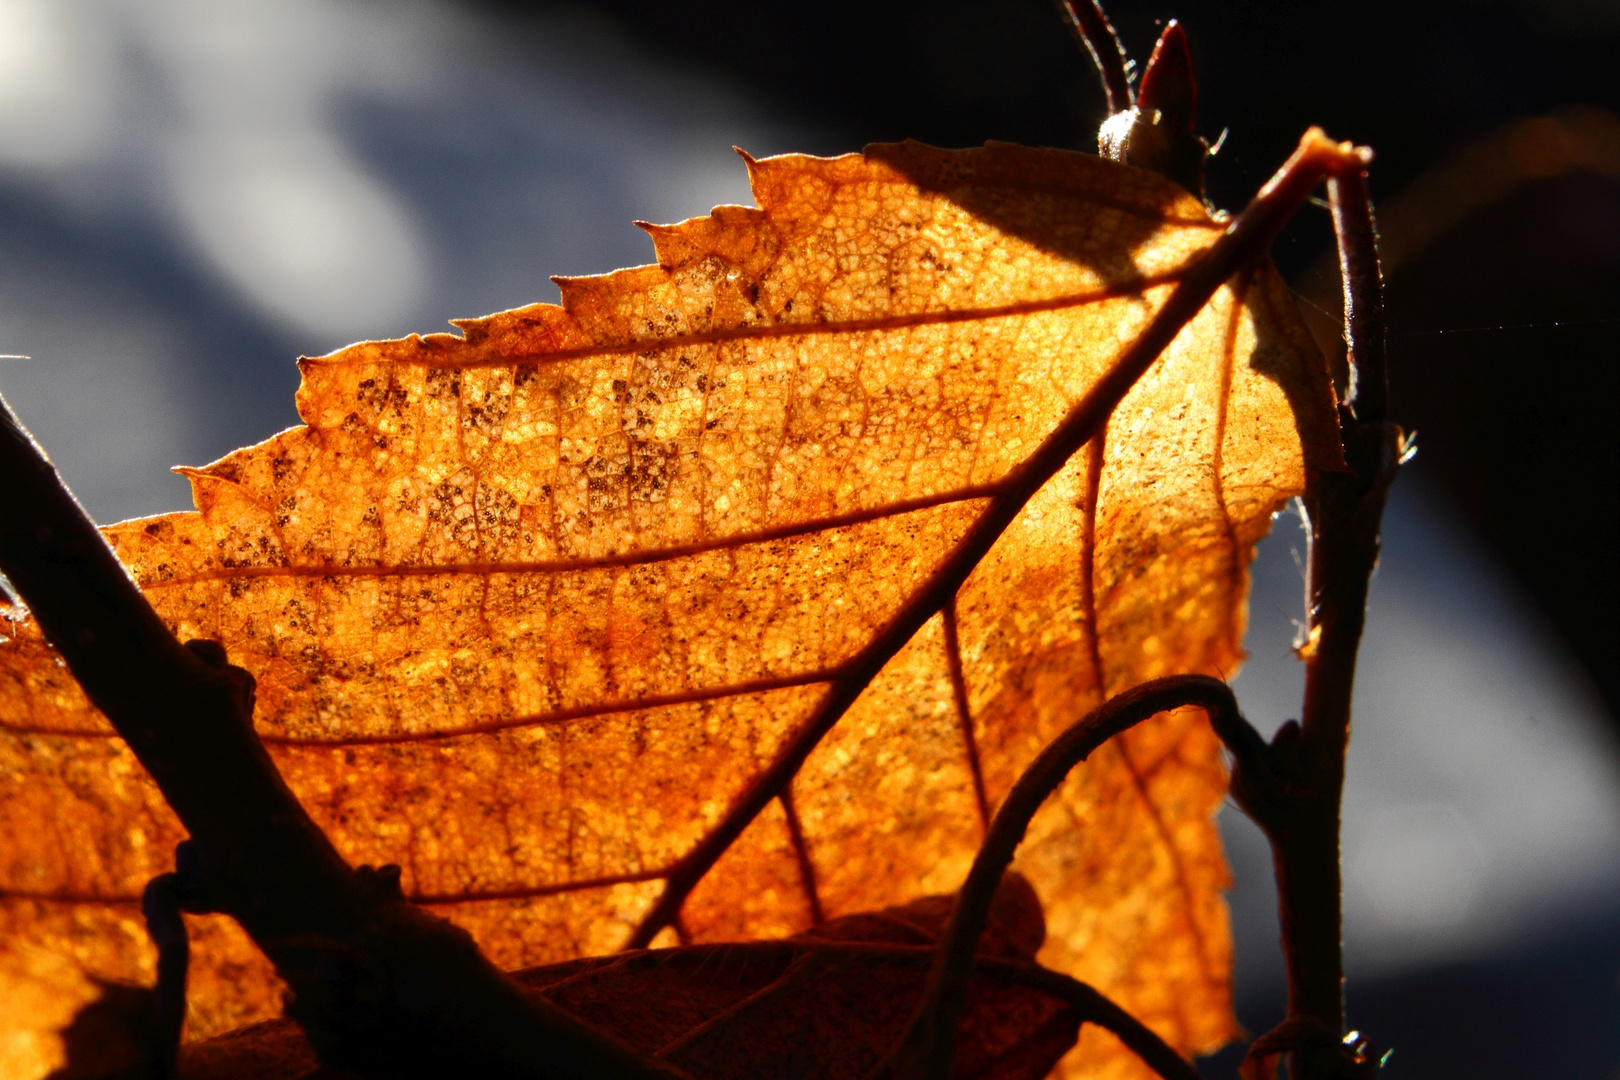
pixel 927 1049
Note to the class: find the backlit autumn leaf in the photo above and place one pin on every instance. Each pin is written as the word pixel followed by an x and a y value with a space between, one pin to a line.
pixel 531 607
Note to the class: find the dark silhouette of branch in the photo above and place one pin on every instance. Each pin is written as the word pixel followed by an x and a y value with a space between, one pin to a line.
pixel 1094 1008
pixel 161 905
pixel 1301 817
pixel 928 1047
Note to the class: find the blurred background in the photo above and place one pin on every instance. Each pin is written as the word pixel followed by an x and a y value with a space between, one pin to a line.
pixel 194 192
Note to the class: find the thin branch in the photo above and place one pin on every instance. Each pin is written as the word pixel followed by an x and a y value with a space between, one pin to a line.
pixel 1363 296
pixel 1093 30
pixel 1301 814
pixel 1096 1008
pixel 160 904
pixel 1245 240
pixel 928 1047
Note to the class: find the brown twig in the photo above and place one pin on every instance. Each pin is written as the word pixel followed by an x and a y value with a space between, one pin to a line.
pixel 1301 818
pixel 1091 26
pixel 161 905
pixel 1247 239
pixel 381 988
pixel 926 1051
pixel 1095 1008
pixel 1368 396
pixel 182 716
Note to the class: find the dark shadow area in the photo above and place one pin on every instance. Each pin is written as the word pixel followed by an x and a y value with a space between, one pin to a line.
pixel 108 1038
pixel 1063 203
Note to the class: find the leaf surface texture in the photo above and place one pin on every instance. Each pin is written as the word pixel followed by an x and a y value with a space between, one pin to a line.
pixel 531 605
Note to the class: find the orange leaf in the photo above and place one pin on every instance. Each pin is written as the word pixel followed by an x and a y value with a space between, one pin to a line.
pixel 531 607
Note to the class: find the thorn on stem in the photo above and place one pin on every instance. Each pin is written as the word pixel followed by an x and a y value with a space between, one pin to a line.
pixel 380 882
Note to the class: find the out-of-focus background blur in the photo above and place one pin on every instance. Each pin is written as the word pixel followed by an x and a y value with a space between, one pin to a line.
pixel 194 192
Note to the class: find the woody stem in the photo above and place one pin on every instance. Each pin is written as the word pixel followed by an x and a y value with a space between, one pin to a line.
pixel 1343 512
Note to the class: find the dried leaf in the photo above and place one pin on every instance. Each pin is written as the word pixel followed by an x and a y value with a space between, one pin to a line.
pixel 822 1004
pixel 529 607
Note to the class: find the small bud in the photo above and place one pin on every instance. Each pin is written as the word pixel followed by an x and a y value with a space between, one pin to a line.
pixel 1157 134
pixel 1167 86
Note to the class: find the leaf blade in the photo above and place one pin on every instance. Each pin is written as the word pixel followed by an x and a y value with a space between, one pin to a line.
pixel 638 485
